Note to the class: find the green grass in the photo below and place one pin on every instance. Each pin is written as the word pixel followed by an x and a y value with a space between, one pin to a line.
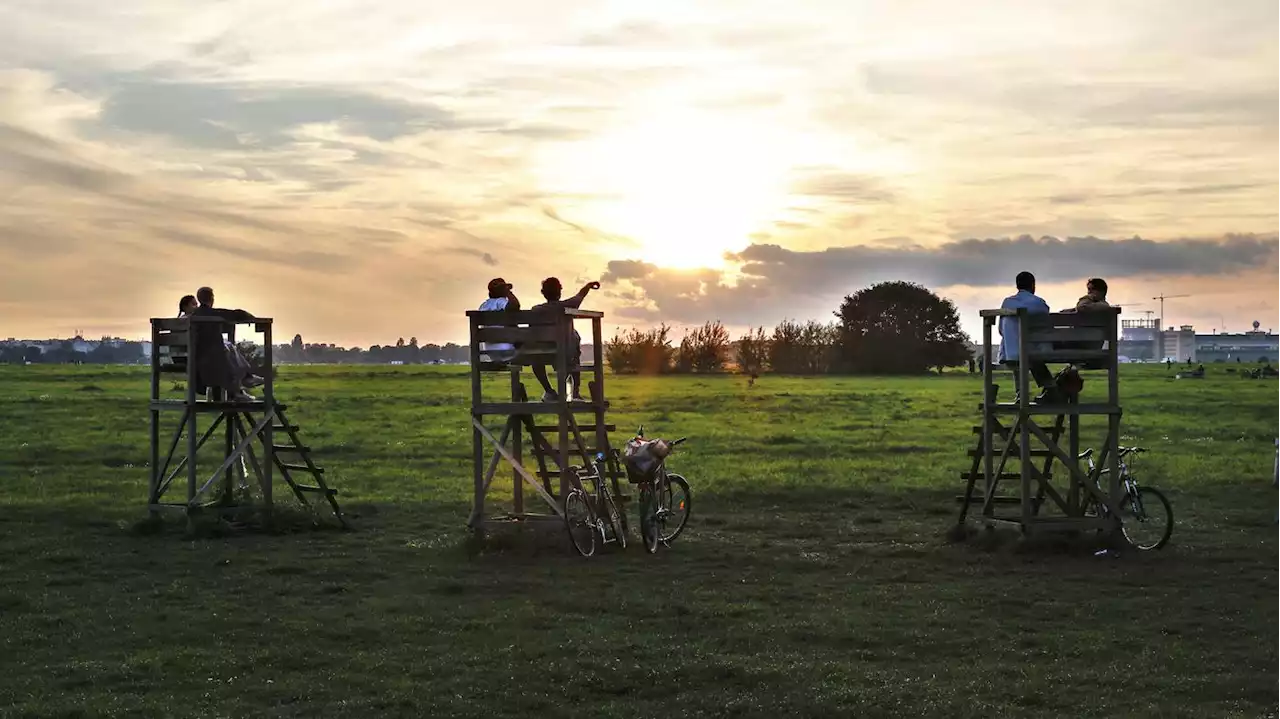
pixel 815 578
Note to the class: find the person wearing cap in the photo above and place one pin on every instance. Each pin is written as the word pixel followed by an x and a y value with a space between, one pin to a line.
pixel 500 298
pixel 552 291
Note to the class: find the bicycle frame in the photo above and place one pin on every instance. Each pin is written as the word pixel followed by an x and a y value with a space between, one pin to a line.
pixel 1127 481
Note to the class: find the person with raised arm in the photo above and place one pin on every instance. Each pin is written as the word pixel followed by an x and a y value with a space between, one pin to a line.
pixel 226 369
pixel 552 292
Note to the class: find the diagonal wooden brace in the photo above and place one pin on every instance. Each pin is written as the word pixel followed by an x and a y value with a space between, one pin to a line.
pixel 524 473
pixel 235 455
pixel 1073 466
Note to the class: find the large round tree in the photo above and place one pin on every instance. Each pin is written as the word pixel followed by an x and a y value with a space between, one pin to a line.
pixel 899 328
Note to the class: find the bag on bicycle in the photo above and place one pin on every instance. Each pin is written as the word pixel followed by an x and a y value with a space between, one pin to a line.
pixel 642 459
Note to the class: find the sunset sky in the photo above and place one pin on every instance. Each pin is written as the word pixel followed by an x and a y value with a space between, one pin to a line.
pixel 360 170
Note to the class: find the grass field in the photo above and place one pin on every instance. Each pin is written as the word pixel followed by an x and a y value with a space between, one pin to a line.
pixel 815 578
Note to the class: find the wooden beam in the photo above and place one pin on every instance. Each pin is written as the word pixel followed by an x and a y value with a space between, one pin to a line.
pixel 493 463
pixel 164 487
pixel 1072 467
pixel 534 408
pixel 266 420
pixel 480 429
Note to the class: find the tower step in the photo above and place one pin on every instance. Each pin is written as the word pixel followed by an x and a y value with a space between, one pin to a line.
pixel 1013 454
pixel 1003 475
pixel 323 490
pixel 290 448
pixel 582 428
pixel 994 500
pixel 302 468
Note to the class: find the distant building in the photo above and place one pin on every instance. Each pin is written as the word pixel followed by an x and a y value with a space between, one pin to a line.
pixel 1143 340
pixel 1140 340
pixel 1254 346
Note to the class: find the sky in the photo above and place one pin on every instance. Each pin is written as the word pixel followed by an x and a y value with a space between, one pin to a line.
pixel 359 171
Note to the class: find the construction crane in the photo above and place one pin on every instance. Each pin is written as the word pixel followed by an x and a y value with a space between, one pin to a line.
pixel 1162 298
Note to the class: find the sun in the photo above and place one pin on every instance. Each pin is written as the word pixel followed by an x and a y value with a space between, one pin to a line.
pixel 679 191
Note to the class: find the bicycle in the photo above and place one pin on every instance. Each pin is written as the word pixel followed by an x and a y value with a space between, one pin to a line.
pixel 581 517
pixel 1139 502
pixel 665 498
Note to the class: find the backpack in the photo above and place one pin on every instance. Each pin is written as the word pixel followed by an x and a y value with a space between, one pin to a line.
pixel 1069 381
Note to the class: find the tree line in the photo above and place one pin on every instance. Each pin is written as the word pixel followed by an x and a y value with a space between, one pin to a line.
pixel 109 350
pixel 299 352
pixel 888 328
pixel 118 351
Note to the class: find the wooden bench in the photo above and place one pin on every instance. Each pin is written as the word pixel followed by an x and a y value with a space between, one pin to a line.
pixel 172 344
pixel 1064 337
pixel 171 341
pixel 539 337
pixel 1079 338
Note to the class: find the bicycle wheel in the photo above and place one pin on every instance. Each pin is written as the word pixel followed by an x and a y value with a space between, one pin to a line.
pixel 1148 522
pixel 581 522
pixel 677 502
pixel 648 520
pixel 615 517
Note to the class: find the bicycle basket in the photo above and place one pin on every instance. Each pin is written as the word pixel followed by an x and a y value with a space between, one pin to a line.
pixel 642 460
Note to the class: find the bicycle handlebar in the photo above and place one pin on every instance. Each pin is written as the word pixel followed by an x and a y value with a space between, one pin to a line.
pixel 1088 453
pixel 678 441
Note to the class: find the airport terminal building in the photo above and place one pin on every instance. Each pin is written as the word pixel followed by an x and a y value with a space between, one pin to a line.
pixel 1143 340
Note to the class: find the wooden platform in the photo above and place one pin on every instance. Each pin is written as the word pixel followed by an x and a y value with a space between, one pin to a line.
pixel 541 442
pixel 1026 462
pixel 201 405
pixel 254 434
pixel 525 408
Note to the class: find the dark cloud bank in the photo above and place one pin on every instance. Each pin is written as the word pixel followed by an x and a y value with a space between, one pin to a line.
pixel 797 281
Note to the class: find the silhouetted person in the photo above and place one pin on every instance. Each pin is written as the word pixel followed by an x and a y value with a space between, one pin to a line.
pixel 1095 297
pixel 1025 298
pixel 214 364
pixel 500 298
pixel 186 306
pixel 552 291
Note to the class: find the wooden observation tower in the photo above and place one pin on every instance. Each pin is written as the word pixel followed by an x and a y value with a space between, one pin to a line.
pixel 261 423
pixel 1019 442
pixel 557 443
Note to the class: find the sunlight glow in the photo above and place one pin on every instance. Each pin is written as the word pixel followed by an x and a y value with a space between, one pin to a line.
pixel 684 188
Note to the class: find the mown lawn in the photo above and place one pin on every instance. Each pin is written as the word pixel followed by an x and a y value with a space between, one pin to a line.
pixel 815 579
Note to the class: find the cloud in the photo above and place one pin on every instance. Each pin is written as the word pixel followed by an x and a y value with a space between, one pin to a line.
pixel 328 157
pixel 245 116
pixel 844 187
pixel 488 259
pixel 39 160
pixel 776 282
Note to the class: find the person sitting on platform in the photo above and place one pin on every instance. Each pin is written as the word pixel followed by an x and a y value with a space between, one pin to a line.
pixel 1095 297
pixel 186 306
pixel 218 369
pixel 501 298
pixel 552 290
pixel 1027 299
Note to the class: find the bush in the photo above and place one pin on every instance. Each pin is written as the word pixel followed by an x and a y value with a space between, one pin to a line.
pixel 706 349
pixel 752 352
pixel 636 352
